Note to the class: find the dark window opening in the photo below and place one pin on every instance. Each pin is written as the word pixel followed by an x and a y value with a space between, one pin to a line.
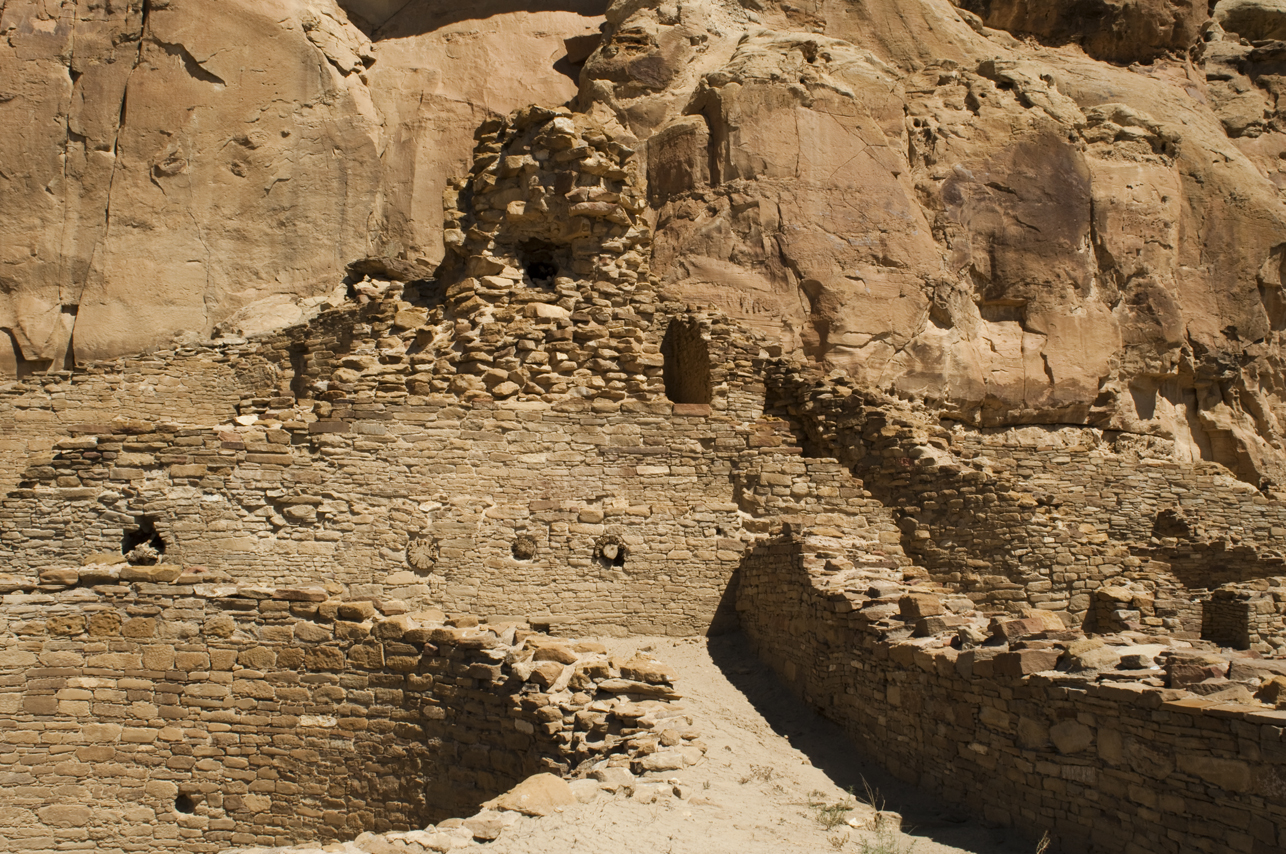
pixel 299 371
pixel 542 271
pixel 143 546
pixel 537 258
pixel 1226 619
pixel 686 368
pixel 185 804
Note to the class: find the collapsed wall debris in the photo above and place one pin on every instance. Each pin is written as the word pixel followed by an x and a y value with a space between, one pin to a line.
pixel 168 711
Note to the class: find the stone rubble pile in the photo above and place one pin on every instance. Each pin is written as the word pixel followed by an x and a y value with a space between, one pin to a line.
pixel 545 292
pixel 541 795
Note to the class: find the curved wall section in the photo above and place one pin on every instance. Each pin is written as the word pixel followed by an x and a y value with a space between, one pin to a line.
pixel 150 716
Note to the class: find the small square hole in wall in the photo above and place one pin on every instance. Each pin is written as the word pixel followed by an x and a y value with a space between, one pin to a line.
pixel 143 546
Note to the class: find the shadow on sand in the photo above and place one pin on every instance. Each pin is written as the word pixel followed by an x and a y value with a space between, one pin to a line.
pixel 830 750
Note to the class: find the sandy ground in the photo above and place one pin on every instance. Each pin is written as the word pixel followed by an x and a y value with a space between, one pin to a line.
pixel 771 768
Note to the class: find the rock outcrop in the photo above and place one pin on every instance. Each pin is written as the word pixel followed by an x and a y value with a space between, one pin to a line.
pixel 168 163
pixel 1012 232
pixel 1065 213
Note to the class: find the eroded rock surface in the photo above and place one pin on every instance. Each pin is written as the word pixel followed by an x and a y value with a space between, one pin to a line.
pixel 1011 232
pixel 169 162
pixel 1064 213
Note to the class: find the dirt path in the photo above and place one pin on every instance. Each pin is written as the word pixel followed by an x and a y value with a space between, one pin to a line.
pixel 772 769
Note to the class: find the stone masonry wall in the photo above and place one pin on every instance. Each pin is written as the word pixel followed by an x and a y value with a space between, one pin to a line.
pixel 1014 525
pixel 198 386
pixel 1105 766
pixel 145 715
pixel 500 507
pixel 424 503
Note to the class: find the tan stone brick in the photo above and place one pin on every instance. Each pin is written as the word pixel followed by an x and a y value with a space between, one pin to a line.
pixel 310 632
pixel 105 623
pixel 1071 736
pixel 190 662
pixel 1233 775
pixel 257 658
pixel 140 627
pixel 115 661
pixel 158 657
pixel 324 659
pixel 65 815
pixel 17 658
pixel 100 732
pixel 138 735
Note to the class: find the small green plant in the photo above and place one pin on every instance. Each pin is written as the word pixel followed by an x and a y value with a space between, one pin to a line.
pixel 829 815
pixel 870 796
pixel 838 842
pixel 758 773
pixel 886 827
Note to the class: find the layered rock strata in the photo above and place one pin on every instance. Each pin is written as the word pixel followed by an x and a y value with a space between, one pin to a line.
pixel 1064 215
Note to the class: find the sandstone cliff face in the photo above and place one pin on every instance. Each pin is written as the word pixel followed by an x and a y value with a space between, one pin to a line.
pixel 169 162
pixel 1064 214
pixel 1013 231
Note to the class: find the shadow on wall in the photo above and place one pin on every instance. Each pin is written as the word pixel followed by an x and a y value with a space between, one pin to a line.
pixel 829 749
pixel 687 363
pixel 390 19
pixel 725 620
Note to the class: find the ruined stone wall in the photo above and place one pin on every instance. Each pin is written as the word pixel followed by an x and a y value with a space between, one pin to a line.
pixel 198 386
pixel 502 504
pixel 1105 766
pixel 384 447
pixel 142 716
pixel 421 503
pixel 497 508
pixel 1016 525
pixel 539 432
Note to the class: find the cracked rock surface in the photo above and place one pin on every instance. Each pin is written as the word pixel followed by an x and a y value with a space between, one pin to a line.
pixel 1058 214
